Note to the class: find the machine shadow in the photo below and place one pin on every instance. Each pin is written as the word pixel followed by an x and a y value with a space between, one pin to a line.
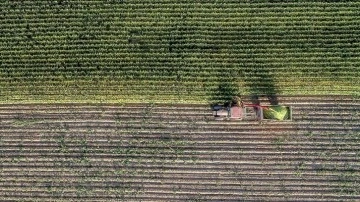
pixel 226 88
pixel 224 93
pixel 261 83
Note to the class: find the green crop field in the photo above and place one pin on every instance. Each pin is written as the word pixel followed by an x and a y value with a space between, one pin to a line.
pixel 176 51
pixel 109 100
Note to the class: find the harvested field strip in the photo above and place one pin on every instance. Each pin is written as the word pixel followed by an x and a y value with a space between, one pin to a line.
pixel 169 152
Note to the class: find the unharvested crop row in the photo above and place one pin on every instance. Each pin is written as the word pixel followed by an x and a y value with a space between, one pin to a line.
pixel 65 94
pixel 335 55
pixel 112 71
pixel 309 102
pixel 174 83
pixel 264 4
pixel 191 33
pixel 284 30
pixel 145 81
pixel 194 16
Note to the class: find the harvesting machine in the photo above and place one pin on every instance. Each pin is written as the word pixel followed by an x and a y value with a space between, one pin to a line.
pixel 237 110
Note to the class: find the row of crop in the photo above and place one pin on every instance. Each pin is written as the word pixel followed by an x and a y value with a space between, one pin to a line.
pixel 189 68
pixel 211 28
pixel 96 96
pixel 269 18
pixel 251 73
pixel 186 72
pixel 197 31
pixel 162 94
pixel 70 97
pixel 178 13
pixel 152 45
pixel 249 32
pixel 200 21
pixel 85 95
pixel 96 59
pixel 327 103
pixel 178 75
pixel 204 23
pixel 227 45
pixel 195 61
pixel 134 78
pixel 186 43
pixel 232 3
pixel 91 4
pixel 171 73
pixel 83 5
pixel 72 42
pixel 179 94
pixel 227 17
pixel 17 72
pixel 186 65
pixel 182 52
pixel 255 35
pixel 265 18
pixel 146 82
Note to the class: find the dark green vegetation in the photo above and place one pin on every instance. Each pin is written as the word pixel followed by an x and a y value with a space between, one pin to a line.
pixel 176 51
pixel 175 153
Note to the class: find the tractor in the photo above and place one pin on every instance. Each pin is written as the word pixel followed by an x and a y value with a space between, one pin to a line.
pixel 236 110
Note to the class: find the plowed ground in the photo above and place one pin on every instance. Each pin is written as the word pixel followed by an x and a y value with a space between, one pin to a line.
pixel 139 152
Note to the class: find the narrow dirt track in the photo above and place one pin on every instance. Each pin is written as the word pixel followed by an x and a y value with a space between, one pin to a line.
pixel 177 152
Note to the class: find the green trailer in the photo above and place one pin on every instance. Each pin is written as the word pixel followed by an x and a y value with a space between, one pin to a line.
pixel 275 112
